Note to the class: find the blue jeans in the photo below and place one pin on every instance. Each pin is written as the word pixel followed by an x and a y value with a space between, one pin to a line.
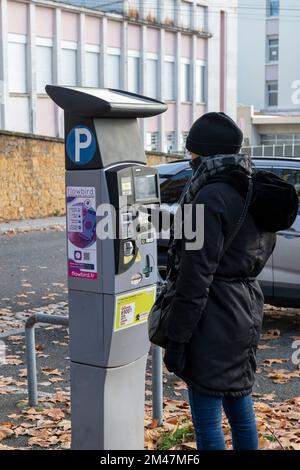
pixel 207 419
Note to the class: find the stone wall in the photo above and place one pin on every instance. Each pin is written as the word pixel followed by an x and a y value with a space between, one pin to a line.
pixel 32 176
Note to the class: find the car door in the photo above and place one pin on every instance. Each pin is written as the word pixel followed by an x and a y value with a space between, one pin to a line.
pixel 286 256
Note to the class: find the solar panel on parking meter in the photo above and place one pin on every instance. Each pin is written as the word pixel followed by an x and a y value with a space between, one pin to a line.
pixel 112 262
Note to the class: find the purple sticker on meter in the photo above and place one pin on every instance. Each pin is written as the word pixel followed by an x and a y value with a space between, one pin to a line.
pixel 81 227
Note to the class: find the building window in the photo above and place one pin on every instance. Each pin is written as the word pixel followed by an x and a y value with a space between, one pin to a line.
pixel 17 70
pixel 69 64
pixel 133 8
pixel 268 139
pixel 151 11
pixel 169 144
pixel 134 75
pixel 169 80
pixel 285 139
pixel 201 18
pixel 275 145
pixel 186 15
pixel 152 141
pixel 152 78
pixel 273 49
pixel 92 66
pixel 185 82
pixel 273 7
pixel 169 12
pixel 44 64
pixel 44 67
pixel 272 93
pixel 113 73
pixel 200 82
pixel 280 139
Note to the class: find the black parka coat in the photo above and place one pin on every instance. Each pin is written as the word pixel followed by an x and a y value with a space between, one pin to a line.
pixel 218 307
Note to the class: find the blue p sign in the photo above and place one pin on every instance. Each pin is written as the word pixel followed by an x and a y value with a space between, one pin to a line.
pixel 81 145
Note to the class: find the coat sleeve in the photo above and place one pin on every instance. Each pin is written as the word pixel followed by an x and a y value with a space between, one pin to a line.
pixel 198 266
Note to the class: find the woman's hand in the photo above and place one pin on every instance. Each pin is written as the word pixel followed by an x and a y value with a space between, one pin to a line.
pixel 174 358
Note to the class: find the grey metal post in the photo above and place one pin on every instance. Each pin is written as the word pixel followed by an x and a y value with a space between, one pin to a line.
pixel 157 385
pixel 30 349
pixel 31 365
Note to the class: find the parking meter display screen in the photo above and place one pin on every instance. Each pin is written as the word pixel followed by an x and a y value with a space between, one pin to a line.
pixel 145 188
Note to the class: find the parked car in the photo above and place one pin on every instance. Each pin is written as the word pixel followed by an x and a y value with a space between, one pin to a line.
pixel 280 279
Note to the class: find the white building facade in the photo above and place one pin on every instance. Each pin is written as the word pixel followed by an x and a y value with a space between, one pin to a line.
pixel 269 75
pixel 181 52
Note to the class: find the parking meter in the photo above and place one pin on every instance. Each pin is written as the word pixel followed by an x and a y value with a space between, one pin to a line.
pixel 112 262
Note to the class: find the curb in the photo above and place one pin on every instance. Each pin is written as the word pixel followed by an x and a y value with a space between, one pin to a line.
pixel 21 226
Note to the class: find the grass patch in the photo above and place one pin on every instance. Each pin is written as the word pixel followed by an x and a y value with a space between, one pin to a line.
pixel 269 437
pixel 179 436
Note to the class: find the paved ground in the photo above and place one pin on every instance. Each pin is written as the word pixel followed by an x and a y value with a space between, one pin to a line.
pixel 53 368
pixel 32 224
pixel 32 269
pixel 32 275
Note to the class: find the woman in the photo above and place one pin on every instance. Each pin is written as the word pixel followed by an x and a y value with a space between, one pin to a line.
pixel 216 314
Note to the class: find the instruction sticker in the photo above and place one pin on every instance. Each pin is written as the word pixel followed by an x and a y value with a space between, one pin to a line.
pixel 81 228
pixel 133 308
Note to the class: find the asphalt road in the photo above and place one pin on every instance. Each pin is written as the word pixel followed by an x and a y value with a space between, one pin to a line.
pixel 32 269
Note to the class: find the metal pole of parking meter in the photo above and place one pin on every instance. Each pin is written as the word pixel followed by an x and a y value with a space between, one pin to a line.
pixel 157 385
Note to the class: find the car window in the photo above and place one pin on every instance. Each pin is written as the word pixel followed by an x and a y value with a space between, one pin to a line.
pixel 167 169
pixel 291 175
pixel 172 187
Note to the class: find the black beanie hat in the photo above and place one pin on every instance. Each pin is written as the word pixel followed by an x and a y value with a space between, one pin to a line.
pixel 213 134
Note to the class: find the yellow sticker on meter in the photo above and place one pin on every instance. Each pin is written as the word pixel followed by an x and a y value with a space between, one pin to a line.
pixel 133 308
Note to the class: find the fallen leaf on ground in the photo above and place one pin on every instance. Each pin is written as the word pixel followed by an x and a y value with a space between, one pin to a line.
pixel 181 386
pixel 269 362
pixel 65 424
pixel 16 339
pixel 5 431
pixel 265 346
pixel 55 413
pixel 22 373
pixel 282 376
pixel 48 371
pixel 264 396
pixel 55 379
pixel 271 334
